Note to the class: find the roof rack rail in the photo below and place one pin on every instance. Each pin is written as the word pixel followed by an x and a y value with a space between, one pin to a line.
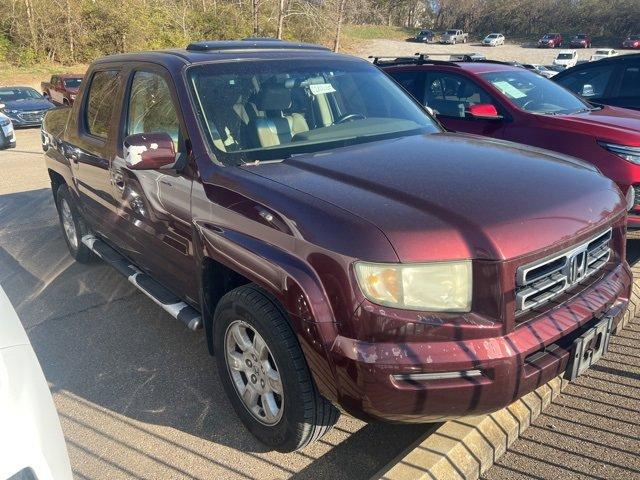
pixel 417 59
pixel 257 43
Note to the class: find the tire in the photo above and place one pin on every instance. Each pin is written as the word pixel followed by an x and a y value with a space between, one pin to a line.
pixel 303 415
pixel 453 42
pixel 73 225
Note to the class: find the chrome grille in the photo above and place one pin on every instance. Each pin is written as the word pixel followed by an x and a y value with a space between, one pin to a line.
pixel 34 116
pixel 540 281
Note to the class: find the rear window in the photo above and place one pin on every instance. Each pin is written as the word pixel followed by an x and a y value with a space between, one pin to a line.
pixel 101 99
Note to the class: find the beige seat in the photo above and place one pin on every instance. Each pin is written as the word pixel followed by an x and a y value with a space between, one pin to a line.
pixel 276 127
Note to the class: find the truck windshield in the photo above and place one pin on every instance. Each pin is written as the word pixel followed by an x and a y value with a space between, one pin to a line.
pixel 72 82
pixel 533 93
pixel 272 109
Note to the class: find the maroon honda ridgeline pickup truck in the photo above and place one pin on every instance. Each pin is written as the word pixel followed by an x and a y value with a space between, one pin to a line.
pixel 339 248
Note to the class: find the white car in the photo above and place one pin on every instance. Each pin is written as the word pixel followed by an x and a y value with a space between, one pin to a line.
pixel 31 441
pixel 566 59
pixel 493 40
pixel 7 133
pixel 540 70
pixel 603 53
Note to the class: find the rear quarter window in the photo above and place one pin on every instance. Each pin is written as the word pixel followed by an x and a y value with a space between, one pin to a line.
pixel 100 101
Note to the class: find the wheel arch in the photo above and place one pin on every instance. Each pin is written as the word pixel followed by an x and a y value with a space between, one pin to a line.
pixel 230 259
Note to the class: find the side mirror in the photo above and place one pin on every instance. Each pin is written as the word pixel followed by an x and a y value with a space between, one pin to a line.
pixel 485 111
pixel 149 151
pixel 430 111
pixel 2 105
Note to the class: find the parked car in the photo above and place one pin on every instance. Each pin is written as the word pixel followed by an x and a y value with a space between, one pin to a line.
pixel 493 40
pixel 612 81
pixel 426 36
pixel 454 36
pixel 550 40
pixel 540 70
pixel 581 40
pixel 566 59
pixel 331 237
pixel 31 439
pixel 62 89
pixel 7 133
pixel 23 105
pixel 632 41
pixel 603 53
pixel 507 103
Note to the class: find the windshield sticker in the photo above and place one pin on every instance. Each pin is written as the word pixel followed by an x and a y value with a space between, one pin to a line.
pixel 509 90
pixel 321 88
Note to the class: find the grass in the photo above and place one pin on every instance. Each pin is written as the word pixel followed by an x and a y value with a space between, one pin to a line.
pixel 370 32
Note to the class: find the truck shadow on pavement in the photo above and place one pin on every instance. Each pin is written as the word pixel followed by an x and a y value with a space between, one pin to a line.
pixel 122 371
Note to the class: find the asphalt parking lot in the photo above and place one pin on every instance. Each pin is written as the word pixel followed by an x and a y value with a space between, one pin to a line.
pixel 139 397
pixel 138 394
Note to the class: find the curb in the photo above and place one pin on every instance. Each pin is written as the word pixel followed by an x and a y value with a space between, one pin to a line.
pixel 464 449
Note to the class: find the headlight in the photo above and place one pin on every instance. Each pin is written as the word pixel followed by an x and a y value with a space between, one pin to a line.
pixel 630 198
pixel 438 286
pixel 630 154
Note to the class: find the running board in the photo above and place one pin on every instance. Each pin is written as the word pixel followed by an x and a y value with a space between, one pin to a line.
pixel 152 289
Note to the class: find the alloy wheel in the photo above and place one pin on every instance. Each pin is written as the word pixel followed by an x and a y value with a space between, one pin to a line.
pixel 254 372
pixel 68 224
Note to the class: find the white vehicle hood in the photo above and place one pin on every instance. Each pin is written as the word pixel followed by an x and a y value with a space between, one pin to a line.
pixel 30 436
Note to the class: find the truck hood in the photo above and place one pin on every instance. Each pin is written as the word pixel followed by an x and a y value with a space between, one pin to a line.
pixel 609 122
pixel 453 196
pixel 28 104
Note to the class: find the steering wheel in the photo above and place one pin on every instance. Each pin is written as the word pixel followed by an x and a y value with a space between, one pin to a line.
pixel 527 103
pixel 350 117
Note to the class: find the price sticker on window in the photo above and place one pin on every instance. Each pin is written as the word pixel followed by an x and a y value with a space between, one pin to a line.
pixel 509 90
pixel 321 88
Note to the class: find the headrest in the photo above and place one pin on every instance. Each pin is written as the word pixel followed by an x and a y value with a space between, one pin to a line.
pixel 273 97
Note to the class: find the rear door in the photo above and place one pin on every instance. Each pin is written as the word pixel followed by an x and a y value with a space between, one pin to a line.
pixel 91 144
pixel 154 206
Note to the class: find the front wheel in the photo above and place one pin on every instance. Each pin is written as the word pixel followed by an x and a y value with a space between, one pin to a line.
pixel 264 372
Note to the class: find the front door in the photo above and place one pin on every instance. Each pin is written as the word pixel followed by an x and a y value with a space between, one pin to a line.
pixel 154 215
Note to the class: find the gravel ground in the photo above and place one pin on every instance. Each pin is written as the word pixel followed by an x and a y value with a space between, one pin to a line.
pixel 509 51
pixel 138 394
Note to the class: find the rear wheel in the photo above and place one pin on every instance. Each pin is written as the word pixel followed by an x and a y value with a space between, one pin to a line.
pixel 264 372
pixel 73 225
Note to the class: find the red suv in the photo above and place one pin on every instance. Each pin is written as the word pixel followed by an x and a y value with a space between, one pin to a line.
pixel 581 40
pixel 338 247
pixel 510 103
pixel 550 40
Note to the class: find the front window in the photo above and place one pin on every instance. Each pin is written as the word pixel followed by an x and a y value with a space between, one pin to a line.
pixel 634 37
pixel 591 82
pixel 18 93
pixel 580 37
pixel 261 110
pixel 493 35
pixel 565 56
pixel 451 32
pixel 534 93
pixel 72 82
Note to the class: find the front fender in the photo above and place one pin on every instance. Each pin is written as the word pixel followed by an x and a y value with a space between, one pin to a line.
pixel 293 282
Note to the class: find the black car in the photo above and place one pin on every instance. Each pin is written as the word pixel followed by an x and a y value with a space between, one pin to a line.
pixel 25 106
pixel 611 81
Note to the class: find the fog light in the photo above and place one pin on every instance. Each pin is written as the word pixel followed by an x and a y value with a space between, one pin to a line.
pixel 417 377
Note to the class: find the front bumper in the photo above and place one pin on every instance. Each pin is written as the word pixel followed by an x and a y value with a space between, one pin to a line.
pixel 24 119
pixel 511 365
